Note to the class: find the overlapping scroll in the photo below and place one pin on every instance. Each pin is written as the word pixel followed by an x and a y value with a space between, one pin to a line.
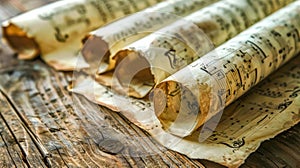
pixel 228 71
pixel 239 64
pixel 55 31
pixel 173 47
pixel 185 111
pixel 265 111
pixel 106 41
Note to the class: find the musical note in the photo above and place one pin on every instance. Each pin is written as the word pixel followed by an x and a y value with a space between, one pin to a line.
pixel 247 59
pixel 264 111
pixel 140 25
pixel 186 41
pixel 56 30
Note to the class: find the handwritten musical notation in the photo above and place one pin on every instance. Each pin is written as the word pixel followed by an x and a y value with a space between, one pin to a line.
pixel 58 28
pixel 232 18
pixel 263 112
pixel 113 36
pixel 244 60
pixel 258 106
pixel 186 40
pixel 61 21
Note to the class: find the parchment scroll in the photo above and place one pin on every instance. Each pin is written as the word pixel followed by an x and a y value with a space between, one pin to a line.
pixel 55 31
pixel 106 41
pixel 172 48
pixel 266 110
pixel 190 97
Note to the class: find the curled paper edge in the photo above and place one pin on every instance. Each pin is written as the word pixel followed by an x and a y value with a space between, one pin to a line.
pixel 20 41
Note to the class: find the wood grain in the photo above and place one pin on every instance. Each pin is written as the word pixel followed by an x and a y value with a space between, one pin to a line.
pixel 44 125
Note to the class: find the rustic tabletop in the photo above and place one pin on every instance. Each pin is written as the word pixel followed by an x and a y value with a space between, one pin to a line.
pixel 44 125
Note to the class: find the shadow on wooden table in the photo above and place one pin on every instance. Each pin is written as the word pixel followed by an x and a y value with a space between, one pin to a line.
pixel 43 125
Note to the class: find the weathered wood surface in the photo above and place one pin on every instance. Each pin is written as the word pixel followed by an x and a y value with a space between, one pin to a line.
pixel 43 125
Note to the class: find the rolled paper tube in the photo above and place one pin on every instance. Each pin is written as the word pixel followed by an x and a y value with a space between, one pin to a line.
pixel 55 31
pixel 174 47
pixel 105 41
pixel 190 97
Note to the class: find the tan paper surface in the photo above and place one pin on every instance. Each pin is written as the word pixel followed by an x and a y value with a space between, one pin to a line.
pixel 172 48
pixel 55 31
pixel 266 110
pixel 107 40
pixel 226 73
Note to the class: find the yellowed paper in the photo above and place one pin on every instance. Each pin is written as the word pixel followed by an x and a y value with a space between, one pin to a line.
pixel 107 40
pixel 190 97
pixel 265 111
pixel 172 48
pixel 55 31
pixel 268 109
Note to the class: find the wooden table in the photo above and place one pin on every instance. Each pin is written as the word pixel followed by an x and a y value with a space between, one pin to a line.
pixel 44 125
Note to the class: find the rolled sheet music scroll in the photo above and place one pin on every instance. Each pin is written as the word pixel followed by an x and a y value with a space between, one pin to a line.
pixel 172 48
pixel 244 60
pixel 55 31
pixel 271 107
pixel 266 110
pixel 107 40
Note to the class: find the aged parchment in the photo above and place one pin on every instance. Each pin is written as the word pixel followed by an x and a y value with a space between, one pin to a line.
pixel 106 41
pixel 55 31
pixel 202 88
pixel 172 48
pixel 266 110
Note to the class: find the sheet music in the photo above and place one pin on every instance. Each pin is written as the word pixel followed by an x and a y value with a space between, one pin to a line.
pixel 55 31
pixel 118 34
pixel 245 60
pixel 266 110
pixel 174 47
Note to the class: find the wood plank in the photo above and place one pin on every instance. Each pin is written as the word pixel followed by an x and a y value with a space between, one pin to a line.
pixel 44 125
pixel 20 148
pixel 76 132
pixel 10 155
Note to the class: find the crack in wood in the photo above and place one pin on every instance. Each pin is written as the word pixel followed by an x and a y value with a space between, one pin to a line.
pixel 38 144
pixel 6 146
pixel 84 135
